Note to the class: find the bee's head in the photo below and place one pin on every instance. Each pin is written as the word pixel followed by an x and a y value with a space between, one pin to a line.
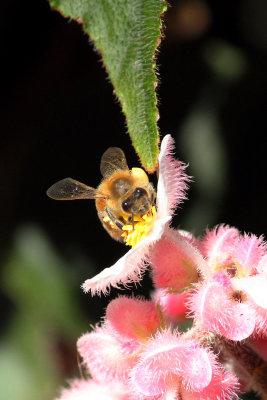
pixel 138 203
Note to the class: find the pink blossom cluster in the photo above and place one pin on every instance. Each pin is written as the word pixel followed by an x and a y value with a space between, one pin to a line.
pixel 203 333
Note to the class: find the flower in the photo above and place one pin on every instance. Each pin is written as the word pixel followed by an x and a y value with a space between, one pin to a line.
pixel 231 300
pixel 90 389
pixel 169 365
pixel 132 318
pixel 133 355
pixel 106 357
pixel 109 352
pixel 214 309
pixel 142 226
pixel 137 353
pixel 172 185
pixel 254 287
pixel 174 306
pixel 175 262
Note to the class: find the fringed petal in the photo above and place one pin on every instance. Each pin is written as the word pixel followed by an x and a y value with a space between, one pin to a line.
pixel 132 318
pixel 215 311
pixel 175 262
pixel 166 361
pixel 102 354
pixel 90 389
pixel 218 244
pixel 172 183
pixel 128 268
pixel 173 305
pixel 255 287
pixel 223 386
pixel 249 251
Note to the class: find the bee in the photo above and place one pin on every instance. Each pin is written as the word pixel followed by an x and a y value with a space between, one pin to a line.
pixel 122 197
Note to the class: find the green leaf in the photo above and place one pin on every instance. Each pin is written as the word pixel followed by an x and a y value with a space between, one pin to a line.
pixel 127 32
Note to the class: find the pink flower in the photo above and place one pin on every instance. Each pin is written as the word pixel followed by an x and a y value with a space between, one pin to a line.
pixel 215 310
pixel 105 357
pixel 170 365
pixel 165 365
pixel 175 261
pixel 138 353
pixel 90 389
pixel 132 318
pixel 223 386
pixel 173 305
pixel 170 192
pixel 231 300
pixel 255 289
pixel 217 247
pixel 109 352
pixel 224 248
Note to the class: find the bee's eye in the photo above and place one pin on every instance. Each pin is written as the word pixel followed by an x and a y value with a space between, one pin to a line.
pixel 126 205
pixel 139 192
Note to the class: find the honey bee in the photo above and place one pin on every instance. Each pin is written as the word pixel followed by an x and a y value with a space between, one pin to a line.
pixel 122 196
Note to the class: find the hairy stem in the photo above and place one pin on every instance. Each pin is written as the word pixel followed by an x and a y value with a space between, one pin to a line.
pixel 247 364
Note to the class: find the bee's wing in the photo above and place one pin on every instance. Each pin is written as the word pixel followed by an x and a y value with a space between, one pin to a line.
pixel 69 189
pixel 113 160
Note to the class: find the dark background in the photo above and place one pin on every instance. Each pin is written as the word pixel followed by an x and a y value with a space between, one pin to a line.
pixel 58 115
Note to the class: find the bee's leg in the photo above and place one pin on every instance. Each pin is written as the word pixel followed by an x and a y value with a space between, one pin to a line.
pixel 133 221
pixel 119 224
pixel 153 198
pixel 152 193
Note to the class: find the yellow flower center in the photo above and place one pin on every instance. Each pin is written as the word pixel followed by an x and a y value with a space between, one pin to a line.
pixel 142 225
pixel 231 266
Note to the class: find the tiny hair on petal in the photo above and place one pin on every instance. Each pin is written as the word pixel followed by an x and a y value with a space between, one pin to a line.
pixel 172 183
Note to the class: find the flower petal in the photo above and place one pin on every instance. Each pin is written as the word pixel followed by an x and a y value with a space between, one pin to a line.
pixel 102 354
pixel 89 389
pixel 128 268
pixel 218 244
pixel 132 318
pixel 223 386
pixel 166 360
pixel 172 182
pixel 173 305
pixel 175 262
pixel 215 311
pixel 255 286
pixel 249 250
pixel 196 367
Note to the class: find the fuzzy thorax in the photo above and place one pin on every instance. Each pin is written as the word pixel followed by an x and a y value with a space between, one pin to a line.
pixel 142 225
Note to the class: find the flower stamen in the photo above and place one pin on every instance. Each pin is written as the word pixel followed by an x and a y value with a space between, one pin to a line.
pixel 141 228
